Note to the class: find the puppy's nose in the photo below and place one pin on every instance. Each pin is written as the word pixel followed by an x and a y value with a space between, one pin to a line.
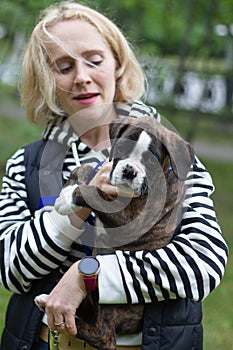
pixel 129 173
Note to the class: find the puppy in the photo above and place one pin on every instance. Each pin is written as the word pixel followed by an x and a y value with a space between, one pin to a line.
pixel 152 163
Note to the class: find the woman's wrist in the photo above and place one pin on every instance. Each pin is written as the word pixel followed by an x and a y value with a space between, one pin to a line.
pixel 78 218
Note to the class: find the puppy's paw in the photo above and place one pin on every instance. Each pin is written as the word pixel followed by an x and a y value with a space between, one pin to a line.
pixel 40 301
pixel 64 204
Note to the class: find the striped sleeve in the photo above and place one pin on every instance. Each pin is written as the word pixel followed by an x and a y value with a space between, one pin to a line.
pixel 190 266
pixel 30 247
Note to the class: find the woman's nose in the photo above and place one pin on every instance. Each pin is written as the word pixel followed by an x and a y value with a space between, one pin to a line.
pixel 82 75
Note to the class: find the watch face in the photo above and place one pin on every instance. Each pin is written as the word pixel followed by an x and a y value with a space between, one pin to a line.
pixel 88 265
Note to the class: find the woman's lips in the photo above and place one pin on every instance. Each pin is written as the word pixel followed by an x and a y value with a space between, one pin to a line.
pixel 86 99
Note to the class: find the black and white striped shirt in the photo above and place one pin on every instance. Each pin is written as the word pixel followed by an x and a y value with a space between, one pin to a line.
pixel 191 266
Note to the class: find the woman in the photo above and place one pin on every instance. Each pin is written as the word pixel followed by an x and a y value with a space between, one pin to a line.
pixel 78 74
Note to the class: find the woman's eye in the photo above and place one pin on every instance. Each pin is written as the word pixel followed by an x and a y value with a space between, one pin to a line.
pixel 65 69
pixel 95 60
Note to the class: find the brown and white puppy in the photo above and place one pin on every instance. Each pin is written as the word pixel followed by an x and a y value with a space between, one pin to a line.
pixel 153 162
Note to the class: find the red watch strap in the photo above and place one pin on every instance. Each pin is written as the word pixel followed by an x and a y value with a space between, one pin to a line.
pixel 90 282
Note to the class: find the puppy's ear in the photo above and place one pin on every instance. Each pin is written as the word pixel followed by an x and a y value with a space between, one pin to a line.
pixel 181 154
pixel 180 151
pixel 116 129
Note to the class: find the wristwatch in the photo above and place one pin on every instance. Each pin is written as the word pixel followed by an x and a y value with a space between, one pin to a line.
pixel 89 267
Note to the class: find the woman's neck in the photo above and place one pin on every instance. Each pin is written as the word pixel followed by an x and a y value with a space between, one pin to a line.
pixel 93 128
pixel 97 138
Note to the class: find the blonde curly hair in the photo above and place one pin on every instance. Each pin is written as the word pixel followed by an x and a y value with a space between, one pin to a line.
pixel 37 81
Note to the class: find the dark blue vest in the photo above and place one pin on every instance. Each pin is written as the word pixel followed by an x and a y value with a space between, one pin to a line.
pixel 168 325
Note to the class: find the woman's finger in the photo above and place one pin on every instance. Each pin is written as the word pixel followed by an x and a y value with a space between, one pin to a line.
pixel 70 324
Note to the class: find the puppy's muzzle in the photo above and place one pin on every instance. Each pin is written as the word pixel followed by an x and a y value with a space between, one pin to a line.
pixel 129 172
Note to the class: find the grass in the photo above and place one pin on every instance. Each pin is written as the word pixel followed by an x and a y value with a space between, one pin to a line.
pixel 217 309
pixel 15 133
pixel 4 297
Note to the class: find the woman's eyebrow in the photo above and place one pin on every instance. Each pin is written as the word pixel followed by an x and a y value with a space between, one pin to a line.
pixel 87 53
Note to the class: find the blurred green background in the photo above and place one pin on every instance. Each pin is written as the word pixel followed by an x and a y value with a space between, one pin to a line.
pixel 186 50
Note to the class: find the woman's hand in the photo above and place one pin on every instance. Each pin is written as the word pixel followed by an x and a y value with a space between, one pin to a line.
pixel 102 180
pixel 61 304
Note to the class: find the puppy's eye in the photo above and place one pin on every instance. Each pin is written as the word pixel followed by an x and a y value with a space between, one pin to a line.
pixel 120 149
pixel 154 153
pixel 119 153
pixel 124 148
pixel 151 157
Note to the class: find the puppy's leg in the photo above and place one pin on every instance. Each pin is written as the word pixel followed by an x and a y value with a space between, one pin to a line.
pixel 65 205
pixel 101 334
pixel 80 175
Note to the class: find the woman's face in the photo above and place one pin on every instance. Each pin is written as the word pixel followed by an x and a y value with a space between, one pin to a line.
pixel 88 80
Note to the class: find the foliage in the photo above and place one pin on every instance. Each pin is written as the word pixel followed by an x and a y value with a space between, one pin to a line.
pixel 21 133
pixel 164 27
